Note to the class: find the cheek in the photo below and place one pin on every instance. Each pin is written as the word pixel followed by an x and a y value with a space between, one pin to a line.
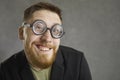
pixel 56 42
pixel 29 37
pixel 32 39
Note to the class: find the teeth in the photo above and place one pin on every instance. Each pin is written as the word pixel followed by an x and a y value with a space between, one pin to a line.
pixel 43 48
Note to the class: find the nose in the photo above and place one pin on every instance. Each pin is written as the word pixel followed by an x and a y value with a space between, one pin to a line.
pixel 47 37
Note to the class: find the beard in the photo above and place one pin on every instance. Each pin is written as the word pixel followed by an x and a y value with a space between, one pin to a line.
pixel 40 59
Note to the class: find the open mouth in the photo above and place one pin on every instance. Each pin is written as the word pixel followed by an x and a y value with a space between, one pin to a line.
pixel 43 48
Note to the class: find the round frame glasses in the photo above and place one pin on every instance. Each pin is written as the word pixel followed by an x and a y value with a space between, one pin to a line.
pixel 39 27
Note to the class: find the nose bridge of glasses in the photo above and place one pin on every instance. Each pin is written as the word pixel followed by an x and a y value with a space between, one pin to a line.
pixel 48 28
pixel 48 32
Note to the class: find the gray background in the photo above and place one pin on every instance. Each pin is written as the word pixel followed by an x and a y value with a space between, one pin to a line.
pixel 92 26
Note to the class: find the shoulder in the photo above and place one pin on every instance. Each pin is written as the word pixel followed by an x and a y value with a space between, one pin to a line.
pixel 75 63
pixel 12 62
pixel 69 52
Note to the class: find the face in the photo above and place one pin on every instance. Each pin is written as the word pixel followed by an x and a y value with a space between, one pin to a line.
pixel 40 50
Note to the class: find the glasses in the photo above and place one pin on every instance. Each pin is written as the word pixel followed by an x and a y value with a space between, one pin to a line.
pixel 39 27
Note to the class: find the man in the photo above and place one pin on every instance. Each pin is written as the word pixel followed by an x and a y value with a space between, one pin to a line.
pixel 43 58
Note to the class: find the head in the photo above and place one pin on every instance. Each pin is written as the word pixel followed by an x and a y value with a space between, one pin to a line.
pixel 40 50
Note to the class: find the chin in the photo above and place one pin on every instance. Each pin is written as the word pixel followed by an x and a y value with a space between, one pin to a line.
pixel 41 59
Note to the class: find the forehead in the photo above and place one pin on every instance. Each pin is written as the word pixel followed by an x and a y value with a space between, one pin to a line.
pixel 47 16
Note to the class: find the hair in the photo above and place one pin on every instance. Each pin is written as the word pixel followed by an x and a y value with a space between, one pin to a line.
pixel 41 6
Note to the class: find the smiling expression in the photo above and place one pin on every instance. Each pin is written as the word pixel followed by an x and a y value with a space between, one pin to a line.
pixel 40 50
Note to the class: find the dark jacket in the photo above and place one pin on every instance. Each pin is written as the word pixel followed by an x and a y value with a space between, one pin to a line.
pixel 70 64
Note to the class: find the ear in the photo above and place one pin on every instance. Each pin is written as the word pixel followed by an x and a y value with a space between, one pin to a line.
pixel 21 31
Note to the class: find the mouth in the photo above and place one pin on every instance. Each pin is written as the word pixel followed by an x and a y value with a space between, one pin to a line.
pixel 43 48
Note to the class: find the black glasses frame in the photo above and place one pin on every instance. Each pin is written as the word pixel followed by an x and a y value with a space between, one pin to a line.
pixel 50 29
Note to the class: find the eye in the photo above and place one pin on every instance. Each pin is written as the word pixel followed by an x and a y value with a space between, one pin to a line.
pixel 39 27
pixel 57 31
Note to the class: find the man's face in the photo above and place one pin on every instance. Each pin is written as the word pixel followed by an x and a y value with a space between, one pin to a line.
pixel 40 50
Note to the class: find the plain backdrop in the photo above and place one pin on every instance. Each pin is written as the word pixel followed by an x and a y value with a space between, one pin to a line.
pixel 91 26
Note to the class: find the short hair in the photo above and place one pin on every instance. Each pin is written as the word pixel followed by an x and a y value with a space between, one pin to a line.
pixel 41 6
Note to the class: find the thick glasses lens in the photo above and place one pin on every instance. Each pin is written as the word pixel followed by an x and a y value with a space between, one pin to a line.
pixel 39 27
pixel 57 31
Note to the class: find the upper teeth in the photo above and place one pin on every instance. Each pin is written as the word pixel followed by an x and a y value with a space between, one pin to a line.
pixel 44 48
